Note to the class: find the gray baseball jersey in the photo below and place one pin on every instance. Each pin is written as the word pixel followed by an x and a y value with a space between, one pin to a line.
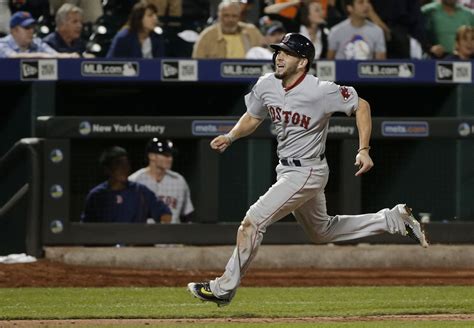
pixel 359 43
pixel 300 115
pixel 172 190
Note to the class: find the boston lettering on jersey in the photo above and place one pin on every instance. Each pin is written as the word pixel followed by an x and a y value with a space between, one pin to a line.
pixel 287 116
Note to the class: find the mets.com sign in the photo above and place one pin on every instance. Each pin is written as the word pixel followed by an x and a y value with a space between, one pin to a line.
pixel 211 127
pixel 405 129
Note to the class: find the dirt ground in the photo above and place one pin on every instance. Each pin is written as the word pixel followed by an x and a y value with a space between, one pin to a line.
pixel 45 273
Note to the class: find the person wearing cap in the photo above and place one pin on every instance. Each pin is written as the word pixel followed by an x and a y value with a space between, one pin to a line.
pixel 120 200
pixel 168 185
pixel 273 32
pixel 21 43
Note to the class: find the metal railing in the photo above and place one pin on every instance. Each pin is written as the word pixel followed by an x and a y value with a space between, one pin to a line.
pixel 31 189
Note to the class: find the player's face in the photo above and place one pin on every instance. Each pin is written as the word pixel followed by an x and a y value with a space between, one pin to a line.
pixel 229 17
pixel 162 161
pixel 149 21
pixel 287 65
pixel 120 169
pixel 359 9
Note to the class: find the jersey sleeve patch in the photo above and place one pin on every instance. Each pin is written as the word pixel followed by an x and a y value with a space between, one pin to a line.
pixel 346 93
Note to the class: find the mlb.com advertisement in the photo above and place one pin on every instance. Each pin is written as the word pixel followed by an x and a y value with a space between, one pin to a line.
pixel 386 70
pixel 110 69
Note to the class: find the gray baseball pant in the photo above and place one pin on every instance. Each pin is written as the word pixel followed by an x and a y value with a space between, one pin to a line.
pixel 298 190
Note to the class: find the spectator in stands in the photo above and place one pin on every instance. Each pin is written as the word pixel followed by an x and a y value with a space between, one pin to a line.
pixel 464 45
pixel 402 23
pixel 228 37
pixel 91 9
pixel 356 37
pixel 304 17
pixel 21 43
pixel 314 28
pixel 120 200
pixel 5 15
pixel 273 32
pixel 442 21
pixel 168 185
pixel 67 37
pixel 138 39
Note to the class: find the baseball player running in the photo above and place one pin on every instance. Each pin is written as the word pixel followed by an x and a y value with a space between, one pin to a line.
pixel 300 106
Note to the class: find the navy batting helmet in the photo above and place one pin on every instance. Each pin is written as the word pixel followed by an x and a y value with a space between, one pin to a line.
pixel 160 146
pixel 297 45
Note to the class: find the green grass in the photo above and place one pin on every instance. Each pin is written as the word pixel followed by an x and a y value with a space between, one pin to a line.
pixel 378 324
pixel 75 303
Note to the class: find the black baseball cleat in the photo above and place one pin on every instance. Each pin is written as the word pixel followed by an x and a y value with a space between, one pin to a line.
pixel 202 290
pixel 412 226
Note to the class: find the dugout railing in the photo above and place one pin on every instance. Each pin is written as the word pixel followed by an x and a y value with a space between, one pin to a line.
pixel 60 134
pixel 27 150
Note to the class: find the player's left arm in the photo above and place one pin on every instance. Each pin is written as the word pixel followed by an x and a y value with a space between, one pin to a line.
pixel 364 126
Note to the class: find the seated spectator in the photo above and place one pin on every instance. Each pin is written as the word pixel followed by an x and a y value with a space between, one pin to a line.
pixel 138 38
pixel 21 43
pixel 304 17
pixel 120 200
pixel 169 186
pixel 402 23
pixel 67 37
pixel 273 32
pixel 356 37
pixel 5 15
pixel 442 21
pixel 91 9
pixel 464 45
pixel 314 28
pixel 228 37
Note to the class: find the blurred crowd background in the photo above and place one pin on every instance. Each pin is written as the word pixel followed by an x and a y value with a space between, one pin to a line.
pixel 340 29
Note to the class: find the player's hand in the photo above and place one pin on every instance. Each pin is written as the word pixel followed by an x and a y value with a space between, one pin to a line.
pixel 220 143
pixel 363 162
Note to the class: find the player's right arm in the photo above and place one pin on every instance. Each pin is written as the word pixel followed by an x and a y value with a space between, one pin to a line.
pixel 246 125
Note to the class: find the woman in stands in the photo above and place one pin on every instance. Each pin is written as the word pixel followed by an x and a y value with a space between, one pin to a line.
pixel 314 27
pixel 138 38
pixel 307 19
